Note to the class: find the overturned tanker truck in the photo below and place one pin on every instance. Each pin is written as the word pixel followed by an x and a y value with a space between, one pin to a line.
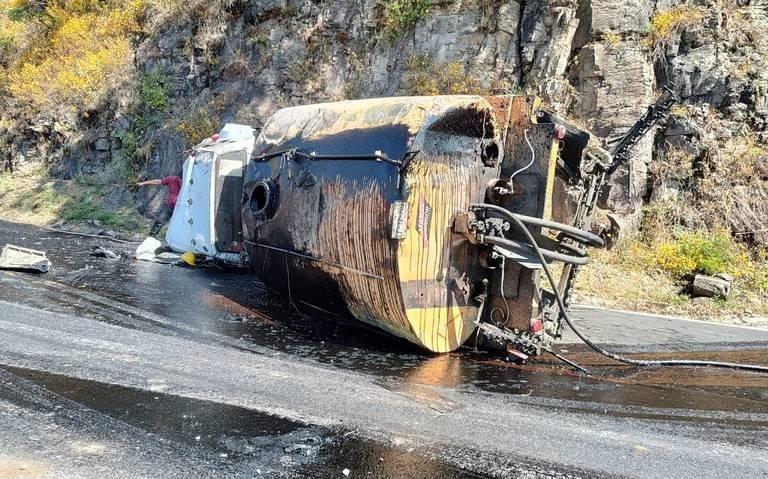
pixel 426 217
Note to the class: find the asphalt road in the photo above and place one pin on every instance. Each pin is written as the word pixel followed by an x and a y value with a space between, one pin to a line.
pixel 115 368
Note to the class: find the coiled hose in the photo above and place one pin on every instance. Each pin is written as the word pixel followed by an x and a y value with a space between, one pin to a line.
pixel 616 357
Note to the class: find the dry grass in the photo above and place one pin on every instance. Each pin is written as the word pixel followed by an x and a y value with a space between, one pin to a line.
pixel 30 196
pixel 423 77
pixel 625 278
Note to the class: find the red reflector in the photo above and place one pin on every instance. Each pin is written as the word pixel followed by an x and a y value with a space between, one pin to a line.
pixel 560 132
pixel 516 356
pixel 536 326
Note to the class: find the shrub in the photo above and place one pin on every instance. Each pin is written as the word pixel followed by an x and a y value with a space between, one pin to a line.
pixel 15 37
pixel 401 15
pixel 86 52
pixel 694 252
pixel 666 24
pixel 260 40
pixel 85 209
pixel 20 10
pixel 128 159
pixel 612 39
pixel 153 92
pixel 424 78
pixel 198 126
pixel 239 65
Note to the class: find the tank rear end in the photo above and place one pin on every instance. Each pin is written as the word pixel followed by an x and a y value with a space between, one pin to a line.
pixel 367 207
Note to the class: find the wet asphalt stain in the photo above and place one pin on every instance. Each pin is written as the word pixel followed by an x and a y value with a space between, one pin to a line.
pixel 235 434
pixel 232 307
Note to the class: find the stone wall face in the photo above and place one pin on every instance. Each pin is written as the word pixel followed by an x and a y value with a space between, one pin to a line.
pixel 587 58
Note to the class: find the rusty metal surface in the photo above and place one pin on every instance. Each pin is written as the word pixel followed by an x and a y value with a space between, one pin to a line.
pixel 518 304
pixel 318 223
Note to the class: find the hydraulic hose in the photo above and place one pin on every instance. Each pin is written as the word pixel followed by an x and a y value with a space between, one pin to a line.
pixel 595 347
pixel 528 250
pixel 570 231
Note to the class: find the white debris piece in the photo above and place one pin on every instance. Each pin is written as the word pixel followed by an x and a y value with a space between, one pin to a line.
pixel 345 472
pixel 24 259
pixel 148 249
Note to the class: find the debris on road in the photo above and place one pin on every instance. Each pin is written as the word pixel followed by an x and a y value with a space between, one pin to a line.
pixel 189 259
pixel 148 249
pixel 168 257
pixel 99 252
pixel 24 259
pixel 154 250
pixel 77 276
pixel 302 449
pixel 92 229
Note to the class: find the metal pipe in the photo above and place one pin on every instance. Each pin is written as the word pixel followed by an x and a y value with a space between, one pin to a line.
pixel 529 251
pixel 570 231
pixel 312 258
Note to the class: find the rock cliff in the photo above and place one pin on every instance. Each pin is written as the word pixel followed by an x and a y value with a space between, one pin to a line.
pixel 598 61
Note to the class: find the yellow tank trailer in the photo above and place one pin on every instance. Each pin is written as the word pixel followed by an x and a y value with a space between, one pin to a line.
pixel 384 208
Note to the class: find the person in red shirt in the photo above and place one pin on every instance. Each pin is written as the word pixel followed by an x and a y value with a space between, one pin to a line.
pixel 173 184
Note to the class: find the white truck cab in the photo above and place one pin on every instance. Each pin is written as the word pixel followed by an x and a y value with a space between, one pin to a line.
pixel 206 220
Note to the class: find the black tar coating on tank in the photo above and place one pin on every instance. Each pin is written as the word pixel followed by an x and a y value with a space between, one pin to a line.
pixel 465 122
pixel 392 140
pixel 317 287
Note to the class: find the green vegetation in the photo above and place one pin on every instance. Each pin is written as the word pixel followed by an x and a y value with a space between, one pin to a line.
pixel 127 160
pixel 710 223
pixel 260 40
pixel 146 116
pixel 29 196
pixel 85 209
pixel 44 200
pixel 199 125
pixel 399 16
pixel 291 10
pixel 422 77
pixel 153 92
pixel 692 252
pixel 654 277
pixel 665 24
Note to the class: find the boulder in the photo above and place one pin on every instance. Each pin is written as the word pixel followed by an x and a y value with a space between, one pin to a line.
pixel 102 144
pixel 725 277
pixel 710 286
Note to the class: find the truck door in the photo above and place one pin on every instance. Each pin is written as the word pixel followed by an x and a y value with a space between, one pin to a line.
pixel 228 191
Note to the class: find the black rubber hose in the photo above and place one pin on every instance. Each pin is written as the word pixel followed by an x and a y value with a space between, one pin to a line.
pixel 614 356
pixel 570 231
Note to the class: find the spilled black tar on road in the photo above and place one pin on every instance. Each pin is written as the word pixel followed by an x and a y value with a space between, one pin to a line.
pixel 232 310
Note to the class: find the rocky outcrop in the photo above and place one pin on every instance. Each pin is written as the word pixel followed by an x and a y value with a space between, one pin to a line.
pixel 589 59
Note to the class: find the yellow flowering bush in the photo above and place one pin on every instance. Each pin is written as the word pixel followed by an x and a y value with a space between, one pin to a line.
pixel 198 126
pixel 85 54
pixel 666 23
pixel 705 252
